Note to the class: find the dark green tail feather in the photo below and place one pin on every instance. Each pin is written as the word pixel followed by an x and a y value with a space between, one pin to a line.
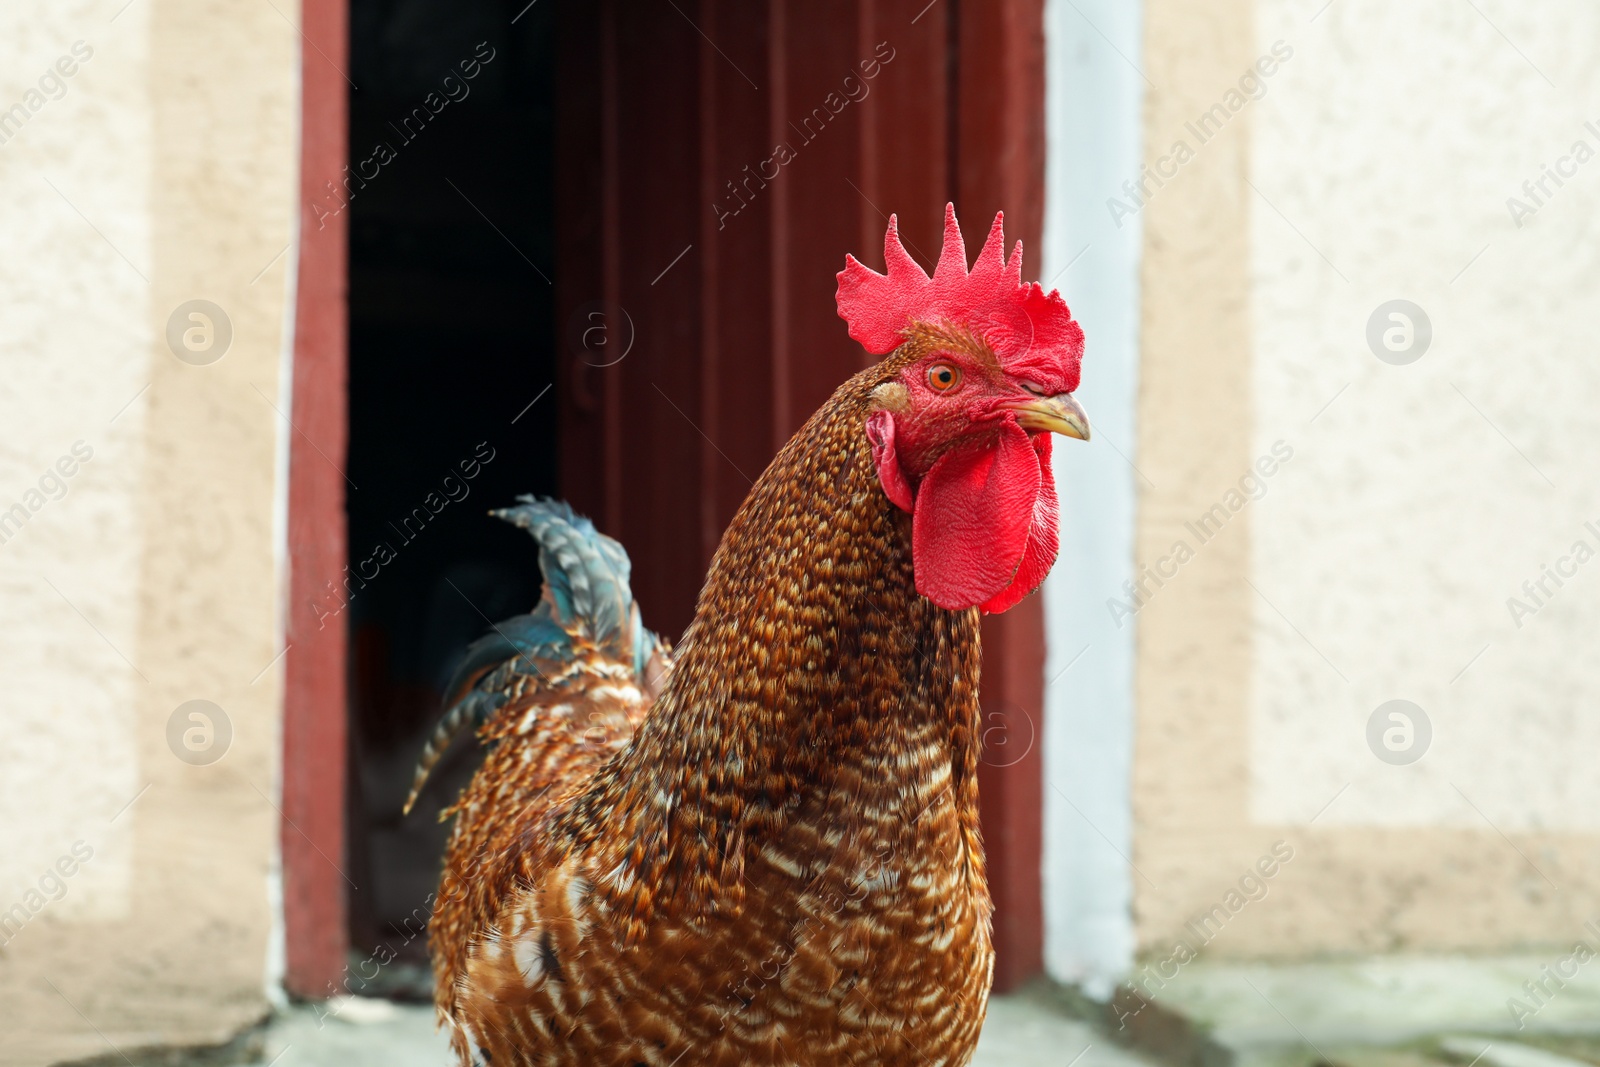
pixel 585 590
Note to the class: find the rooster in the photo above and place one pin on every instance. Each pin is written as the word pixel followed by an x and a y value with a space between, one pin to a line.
pixel 768 852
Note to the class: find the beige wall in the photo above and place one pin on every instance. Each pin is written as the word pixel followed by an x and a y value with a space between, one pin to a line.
pixel 172 155
pixel 1194 637
pixel 1378 564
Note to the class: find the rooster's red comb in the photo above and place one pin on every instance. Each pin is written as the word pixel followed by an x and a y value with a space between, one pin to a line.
pixel 1032 332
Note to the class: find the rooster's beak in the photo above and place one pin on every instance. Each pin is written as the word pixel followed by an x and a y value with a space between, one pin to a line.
pixel 1060 414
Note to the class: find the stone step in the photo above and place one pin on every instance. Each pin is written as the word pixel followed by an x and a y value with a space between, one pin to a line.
pixel 1491 1052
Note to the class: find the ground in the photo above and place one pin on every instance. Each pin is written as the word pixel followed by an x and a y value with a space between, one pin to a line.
pixel 1022 1031
pixel 1527 1010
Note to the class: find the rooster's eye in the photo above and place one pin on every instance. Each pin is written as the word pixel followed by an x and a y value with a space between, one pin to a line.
pixel 943 378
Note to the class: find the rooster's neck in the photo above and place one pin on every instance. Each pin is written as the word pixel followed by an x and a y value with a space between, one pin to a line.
pixel 813 672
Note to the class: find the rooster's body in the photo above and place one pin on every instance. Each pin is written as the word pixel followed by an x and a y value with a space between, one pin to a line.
pixel 779 864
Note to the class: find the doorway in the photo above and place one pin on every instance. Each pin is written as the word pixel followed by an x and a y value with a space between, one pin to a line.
pixel 514 167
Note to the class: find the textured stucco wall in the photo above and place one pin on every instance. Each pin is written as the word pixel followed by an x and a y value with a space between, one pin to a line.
pixel 1378 561
pixel 162 172
pixel 1194 639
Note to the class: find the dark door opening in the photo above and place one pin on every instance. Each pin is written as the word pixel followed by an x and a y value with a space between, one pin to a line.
pixel 451 345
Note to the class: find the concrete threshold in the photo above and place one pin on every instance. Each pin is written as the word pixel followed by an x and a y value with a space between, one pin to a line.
pixel 1534 1010
pixel 1030 1028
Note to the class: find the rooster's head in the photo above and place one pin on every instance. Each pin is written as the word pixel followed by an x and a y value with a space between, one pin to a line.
pixel 983 371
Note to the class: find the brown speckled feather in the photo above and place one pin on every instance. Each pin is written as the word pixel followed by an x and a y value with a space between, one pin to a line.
pixel 783 865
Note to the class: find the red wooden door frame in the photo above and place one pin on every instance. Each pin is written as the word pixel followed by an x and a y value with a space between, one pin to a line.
pixel 314 697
